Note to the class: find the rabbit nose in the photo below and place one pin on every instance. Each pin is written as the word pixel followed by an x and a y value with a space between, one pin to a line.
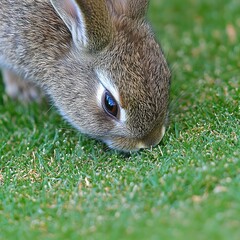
pixel 153 138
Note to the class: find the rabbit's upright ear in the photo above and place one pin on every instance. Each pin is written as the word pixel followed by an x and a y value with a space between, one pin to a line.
pixel 87 20
pixel 135 9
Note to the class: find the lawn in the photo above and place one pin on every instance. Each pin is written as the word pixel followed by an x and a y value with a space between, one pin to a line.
pixel 58 184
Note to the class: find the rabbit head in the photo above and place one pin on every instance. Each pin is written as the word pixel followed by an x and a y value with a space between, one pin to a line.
pixel 117 77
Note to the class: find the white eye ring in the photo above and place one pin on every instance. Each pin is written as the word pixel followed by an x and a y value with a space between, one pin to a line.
pixel 105 84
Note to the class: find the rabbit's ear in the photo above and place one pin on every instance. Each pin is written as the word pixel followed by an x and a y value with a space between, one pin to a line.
pixel 135 9
pixel 87 20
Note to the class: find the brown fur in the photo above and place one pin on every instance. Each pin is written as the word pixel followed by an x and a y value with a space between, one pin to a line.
pixel 37 45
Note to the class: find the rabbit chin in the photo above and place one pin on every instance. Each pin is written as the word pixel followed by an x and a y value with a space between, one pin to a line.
pixel 131 144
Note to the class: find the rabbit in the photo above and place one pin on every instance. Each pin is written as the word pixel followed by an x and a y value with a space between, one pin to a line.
pixel 97 60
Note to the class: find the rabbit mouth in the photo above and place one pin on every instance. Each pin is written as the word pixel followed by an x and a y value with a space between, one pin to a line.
pixel 131 144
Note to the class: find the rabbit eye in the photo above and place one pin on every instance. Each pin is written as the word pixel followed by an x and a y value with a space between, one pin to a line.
pixel 109 104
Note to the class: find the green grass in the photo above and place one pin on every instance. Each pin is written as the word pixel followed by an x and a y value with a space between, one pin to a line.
pixel 58 184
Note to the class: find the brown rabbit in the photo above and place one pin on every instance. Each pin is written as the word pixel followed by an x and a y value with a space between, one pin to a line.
pixel 97 59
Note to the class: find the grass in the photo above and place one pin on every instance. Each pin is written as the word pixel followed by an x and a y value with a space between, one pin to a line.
pixel 58 184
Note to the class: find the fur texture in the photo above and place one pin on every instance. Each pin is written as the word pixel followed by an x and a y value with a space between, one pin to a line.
pixel 60 45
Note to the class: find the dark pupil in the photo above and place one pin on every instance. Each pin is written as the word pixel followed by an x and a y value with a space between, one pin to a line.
pixel 110 104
